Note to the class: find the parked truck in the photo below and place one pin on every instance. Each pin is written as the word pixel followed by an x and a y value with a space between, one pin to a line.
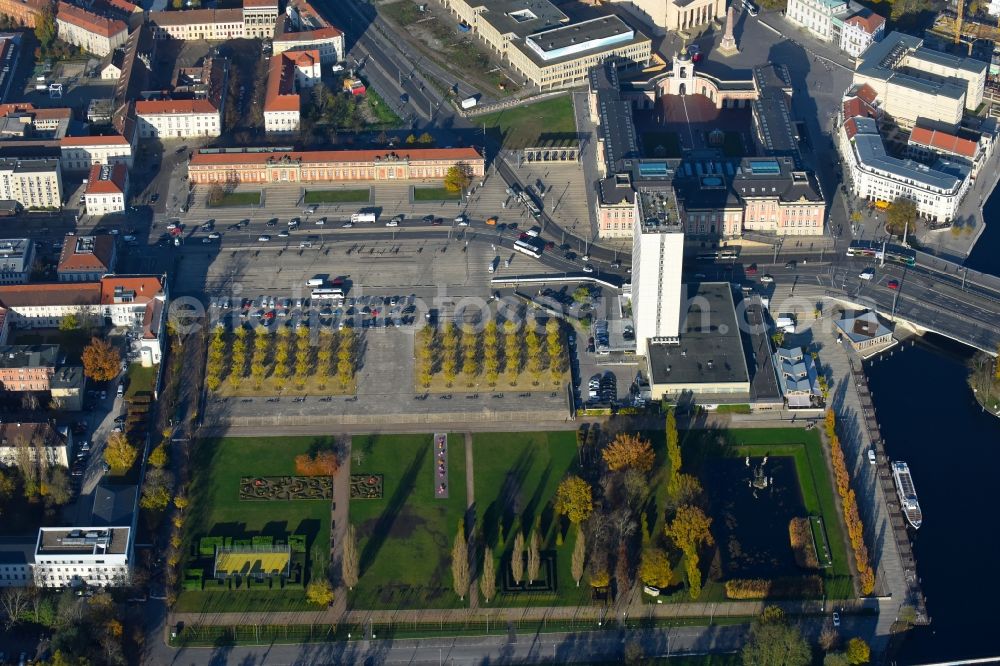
pixel 469 102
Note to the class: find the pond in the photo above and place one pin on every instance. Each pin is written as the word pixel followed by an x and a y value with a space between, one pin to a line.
pixel 752 532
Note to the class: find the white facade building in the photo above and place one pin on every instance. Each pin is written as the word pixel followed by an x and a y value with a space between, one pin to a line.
pixel 329 42
pixel 657 259
pixel 860 32
pixel 107 189
pixel 178 119
pixel 34 183
pixel 92 556
pixel 91 32
pixel 80 153
pixel 138 302
pixel 877 176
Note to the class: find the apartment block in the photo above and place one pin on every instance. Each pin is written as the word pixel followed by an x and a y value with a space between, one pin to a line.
pixel 27 367
pixel 34 183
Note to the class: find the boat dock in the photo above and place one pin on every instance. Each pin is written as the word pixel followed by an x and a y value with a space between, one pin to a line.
pixel 897 519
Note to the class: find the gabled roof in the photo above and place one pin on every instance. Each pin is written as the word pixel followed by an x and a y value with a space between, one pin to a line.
pixel 174 106
pixel 866 93
pixel 109 140
pixel 197 16
pixel 868 21
pixel 107 179
pixel 87 254
pixel 202 158
pixel 137 288
pixel 89 21
pixel 57 293
pixel 309 35
pixel 944 141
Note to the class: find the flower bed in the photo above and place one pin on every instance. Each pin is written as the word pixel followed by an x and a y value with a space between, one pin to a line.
pixel 284 488
pixel 366 486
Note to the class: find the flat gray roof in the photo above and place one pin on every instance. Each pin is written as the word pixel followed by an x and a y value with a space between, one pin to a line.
pixel 82 540
pixel 15 255
pixel 970 65
pixel 28 356
pixel 710 349
pixel 521 17
pixel 883 60
pixel 871 152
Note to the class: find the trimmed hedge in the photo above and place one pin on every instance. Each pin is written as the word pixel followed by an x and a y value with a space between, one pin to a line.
pixel 799 587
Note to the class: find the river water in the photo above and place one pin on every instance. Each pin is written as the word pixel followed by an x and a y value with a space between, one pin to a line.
pixel 930 419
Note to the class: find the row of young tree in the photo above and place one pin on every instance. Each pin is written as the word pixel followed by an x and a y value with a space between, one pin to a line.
pixel 855 528
pixel 287 357
pixel 488 353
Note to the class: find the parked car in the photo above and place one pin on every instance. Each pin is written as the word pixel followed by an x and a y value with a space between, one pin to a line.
pixel 766 279
pixel 894 284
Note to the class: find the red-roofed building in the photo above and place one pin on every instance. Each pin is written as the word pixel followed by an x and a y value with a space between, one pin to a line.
pixel 138 302
pixel 971 148
pixel 289 73
pixel 23 12
pixel 80 153
pixel 87 258
pixel 321 166
pixel 178 118
pixel 93 33
pixel 107 189
pixel 861 31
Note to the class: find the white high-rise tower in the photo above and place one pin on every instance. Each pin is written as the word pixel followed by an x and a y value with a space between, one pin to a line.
pixel 657 258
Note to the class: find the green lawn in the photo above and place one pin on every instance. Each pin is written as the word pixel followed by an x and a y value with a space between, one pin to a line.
pixel 384 116
pixel 531 124
pixel 216 509
pixel 810 466
pixel 363 195
pixel 661 144
pixel 140 379
pixel 405 538
pixel 236 199
pixel 516 477
pixel 435 194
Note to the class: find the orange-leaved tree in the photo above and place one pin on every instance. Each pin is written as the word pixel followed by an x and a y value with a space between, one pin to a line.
pixel 629 452
pixel 101 361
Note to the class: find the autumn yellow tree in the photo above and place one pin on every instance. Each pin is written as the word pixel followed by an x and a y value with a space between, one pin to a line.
pixel 858 652
pixel 158 457
pixel 119 454
pixel 654 568
pixel 319 592
pixel 101 361
pixel 458 177
pixel 629 452
pixel 574 499
pixel 673 454
pixel 690 529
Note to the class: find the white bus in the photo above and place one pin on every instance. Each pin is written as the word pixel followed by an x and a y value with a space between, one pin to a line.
pixel 528 249
pixel 329 293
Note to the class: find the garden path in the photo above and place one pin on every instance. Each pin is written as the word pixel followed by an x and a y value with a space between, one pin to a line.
pixel 339 518
pixel 470 502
